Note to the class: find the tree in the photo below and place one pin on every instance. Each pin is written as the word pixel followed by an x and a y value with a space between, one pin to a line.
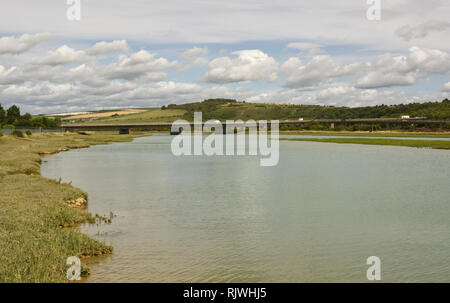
pixel 24 121
pixel 12 114
pixel 2 115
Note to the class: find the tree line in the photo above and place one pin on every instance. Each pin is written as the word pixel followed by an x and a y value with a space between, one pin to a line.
pixel 12 118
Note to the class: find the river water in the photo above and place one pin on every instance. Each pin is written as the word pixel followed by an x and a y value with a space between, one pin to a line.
pixel 315 217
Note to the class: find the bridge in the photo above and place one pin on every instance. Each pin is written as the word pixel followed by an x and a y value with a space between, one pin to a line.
pixel 166 126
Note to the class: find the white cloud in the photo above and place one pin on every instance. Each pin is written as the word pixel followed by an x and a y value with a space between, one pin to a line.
pixel 64 55
pixel 213 21
pixel 393 70
pixel 193 53
pixel 408 32
pixel 249 65
pixel 137 65
pixel 446 87
pixel 108 47
pixel 311 48
pixel 5 72
pixel 95 77
pixel 18 45
pixel 344 96
pixel 319 70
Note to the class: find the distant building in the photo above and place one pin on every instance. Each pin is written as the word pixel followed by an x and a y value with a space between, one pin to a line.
pixel 300 119
pixel 405 117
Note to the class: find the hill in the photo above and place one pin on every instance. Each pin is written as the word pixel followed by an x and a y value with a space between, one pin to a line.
pixel 223 109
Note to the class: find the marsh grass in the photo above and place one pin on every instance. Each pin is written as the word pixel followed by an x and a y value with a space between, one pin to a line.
pixel 435 144
pixel 34 239
pixel 429 134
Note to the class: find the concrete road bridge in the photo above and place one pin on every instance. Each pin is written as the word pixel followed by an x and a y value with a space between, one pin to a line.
pixel 166 126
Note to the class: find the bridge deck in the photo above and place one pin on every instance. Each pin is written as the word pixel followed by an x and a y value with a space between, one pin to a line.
pixel 284 122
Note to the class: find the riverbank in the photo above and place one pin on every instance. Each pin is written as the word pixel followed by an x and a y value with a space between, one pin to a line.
pixel 35 211
pixel 435 144
pixel 370 134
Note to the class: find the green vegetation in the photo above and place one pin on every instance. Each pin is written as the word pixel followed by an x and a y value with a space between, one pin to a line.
pixel 151 115
pixel 436 144
pixel 228 109
pixel 370 134
pixel 34 211
pixel 17 133
pixel 223 109
pixel 13 118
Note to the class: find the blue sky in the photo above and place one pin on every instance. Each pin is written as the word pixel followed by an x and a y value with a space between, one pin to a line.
pixel 150 53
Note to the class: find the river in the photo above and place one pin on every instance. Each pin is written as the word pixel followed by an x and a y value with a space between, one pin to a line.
pixel 315 217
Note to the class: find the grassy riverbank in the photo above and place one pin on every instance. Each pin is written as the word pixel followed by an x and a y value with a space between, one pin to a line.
pixel 370 134
pixel 436 144
pixel 34 213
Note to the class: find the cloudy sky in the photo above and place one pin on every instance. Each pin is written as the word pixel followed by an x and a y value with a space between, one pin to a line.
pixel 143 53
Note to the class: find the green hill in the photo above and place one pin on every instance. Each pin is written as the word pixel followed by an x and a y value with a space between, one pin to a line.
pixel 223 109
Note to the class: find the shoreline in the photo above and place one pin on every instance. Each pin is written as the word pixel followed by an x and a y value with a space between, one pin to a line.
pixel 432 144
pixel 370 134
pixel 35 211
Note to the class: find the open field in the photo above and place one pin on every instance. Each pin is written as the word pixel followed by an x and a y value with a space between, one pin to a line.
pixel 34 211
pixel 150 115
pixel 106 114
pixel 436 144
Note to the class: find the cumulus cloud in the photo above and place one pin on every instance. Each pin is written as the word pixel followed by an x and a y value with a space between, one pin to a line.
pixel 141 65
pixel 63 55
pixel 408 32
pixel 137 65
pixel 343 95
pixel 49 97
pixel 195 56
pixel 108 47
pixel 311 74
pixel 108 74
pixel 446 87
pixel 392 70
pixel 193 53
pixel 66 55
pixel 18 45
pixel 248 65
pixel 311 48
pixel 5 72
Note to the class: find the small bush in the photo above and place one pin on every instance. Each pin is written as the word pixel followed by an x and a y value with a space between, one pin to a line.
pixel 17 133
pixel 9 126
pixel 1 134
pixel 28 132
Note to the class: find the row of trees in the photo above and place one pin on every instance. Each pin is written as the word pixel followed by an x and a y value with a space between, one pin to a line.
pixel 12 118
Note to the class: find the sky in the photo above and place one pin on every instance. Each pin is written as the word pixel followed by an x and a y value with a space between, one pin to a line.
pixel 151 53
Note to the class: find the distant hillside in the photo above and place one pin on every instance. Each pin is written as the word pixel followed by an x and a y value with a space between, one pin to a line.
pixel 223 109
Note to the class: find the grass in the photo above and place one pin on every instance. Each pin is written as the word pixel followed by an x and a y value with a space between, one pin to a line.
pixel 371 134
pixel 435 144
pixel 34 239
pixel 105 114
pixel 148 116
